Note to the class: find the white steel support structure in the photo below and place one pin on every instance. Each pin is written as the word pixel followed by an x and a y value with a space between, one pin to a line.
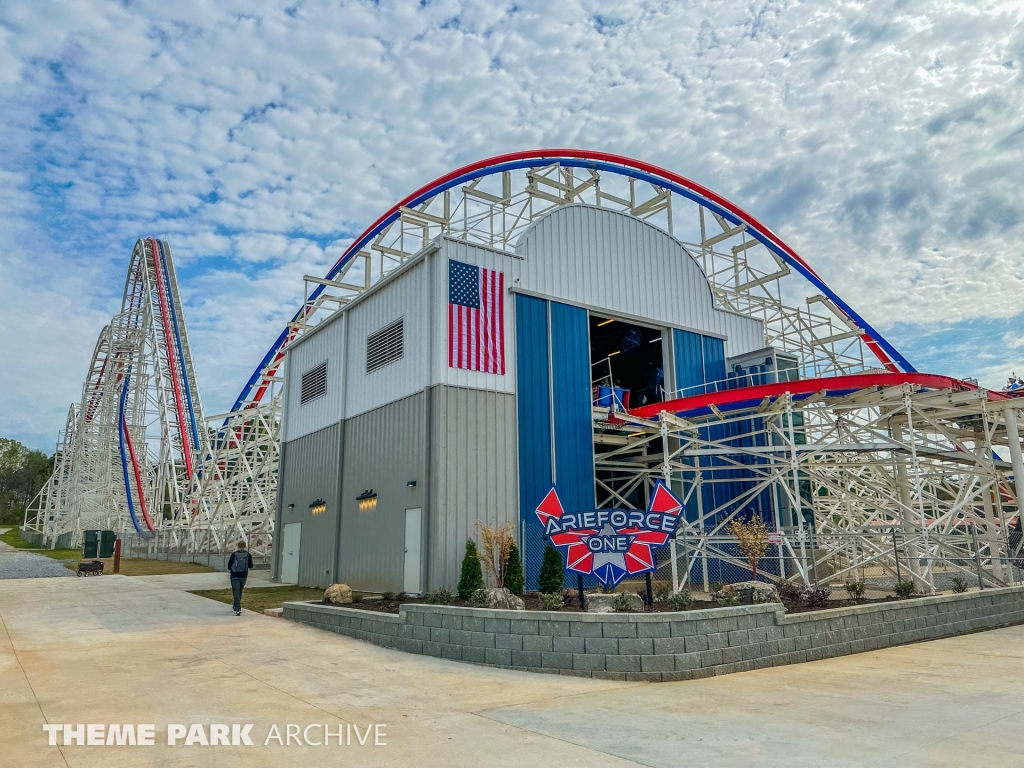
pixel 137 455
pixel 893 482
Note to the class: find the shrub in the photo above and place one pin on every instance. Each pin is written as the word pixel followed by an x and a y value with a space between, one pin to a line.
pixel 472 577
pixel 391 596
pixel 622 603
pixel 959 584
pixel 662 592
pixel 718 586
pixel 356 597
pixel 496 542
pixel 552 574
pixel 514 571
pixel 855 589
pixel 904 589
pixel 726 596
pixel 753 540
pixel 817 598
pixel 442 596
pixel 551 601
pixel 790 594
pixel 569 596
pixel 680 601
pixel 479 598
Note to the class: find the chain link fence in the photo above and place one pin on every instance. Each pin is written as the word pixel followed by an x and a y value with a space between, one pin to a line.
pixel 175 546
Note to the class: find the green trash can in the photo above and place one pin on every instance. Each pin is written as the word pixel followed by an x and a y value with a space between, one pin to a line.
pixel 92 544
pixel 107 539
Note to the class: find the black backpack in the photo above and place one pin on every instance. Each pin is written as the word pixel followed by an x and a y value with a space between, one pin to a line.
pixel 240 562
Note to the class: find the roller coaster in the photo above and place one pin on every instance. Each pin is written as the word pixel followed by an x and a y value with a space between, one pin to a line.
pixel 859 447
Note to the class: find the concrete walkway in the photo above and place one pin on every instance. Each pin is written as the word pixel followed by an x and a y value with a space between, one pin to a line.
pixel 210 580
pixel 121 650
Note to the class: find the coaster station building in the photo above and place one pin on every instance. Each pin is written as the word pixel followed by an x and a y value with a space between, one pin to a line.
pixel 407 446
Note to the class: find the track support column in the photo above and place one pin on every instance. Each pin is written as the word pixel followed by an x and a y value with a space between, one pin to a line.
pixel 1013 438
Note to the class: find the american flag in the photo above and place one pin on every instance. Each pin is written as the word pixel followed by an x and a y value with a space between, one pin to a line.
pixel 476 318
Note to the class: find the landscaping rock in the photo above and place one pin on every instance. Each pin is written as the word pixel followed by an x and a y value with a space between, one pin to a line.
pixel 763 592
pixel 601 603
pixel 502 598
pixel 338 594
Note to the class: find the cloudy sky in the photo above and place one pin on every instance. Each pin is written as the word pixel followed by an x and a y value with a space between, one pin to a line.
pixel 883 140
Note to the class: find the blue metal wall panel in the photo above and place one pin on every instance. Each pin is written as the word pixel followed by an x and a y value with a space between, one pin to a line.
pixel 534 423
pixel 689 361
pixel 714 359
pixel 573 424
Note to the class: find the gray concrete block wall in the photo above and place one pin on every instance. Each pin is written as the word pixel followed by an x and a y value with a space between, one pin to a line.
pixel 664 646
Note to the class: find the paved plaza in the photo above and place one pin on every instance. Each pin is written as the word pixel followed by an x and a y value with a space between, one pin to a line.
pixel 116 649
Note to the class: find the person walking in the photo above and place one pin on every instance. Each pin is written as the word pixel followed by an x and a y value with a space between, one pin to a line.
pixel 238 566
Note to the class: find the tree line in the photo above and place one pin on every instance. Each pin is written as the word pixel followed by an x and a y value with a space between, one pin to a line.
pixel 23 472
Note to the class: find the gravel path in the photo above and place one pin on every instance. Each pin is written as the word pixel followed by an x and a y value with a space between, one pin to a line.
pixel 25 565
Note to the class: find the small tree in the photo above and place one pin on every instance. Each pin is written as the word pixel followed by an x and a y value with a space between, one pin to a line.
pixel 753 538
pixel 472 577
pixel 514 571
pixel 496 542
pixel 552 574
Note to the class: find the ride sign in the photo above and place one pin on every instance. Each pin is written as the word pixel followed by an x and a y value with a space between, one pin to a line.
pixel 610 544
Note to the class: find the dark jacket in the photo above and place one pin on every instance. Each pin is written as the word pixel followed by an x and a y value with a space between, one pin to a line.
pixel 240 553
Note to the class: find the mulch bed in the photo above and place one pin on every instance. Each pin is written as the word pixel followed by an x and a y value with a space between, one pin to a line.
pixel 532 604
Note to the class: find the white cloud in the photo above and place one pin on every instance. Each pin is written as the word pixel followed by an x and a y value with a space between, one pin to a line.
pixel 883 140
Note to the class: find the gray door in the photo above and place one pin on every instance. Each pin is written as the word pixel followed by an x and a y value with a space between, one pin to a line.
pixel 290 553
pixel 413 531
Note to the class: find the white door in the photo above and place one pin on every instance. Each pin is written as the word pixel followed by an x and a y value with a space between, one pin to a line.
pixel 290 553
pixel 413 520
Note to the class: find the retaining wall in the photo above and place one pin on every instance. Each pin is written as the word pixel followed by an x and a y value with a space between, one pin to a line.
pixel 664 646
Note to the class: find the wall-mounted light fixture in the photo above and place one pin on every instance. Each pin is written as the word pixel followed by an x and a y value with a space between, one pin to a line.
pixel 367 500
pixel 411 484
pixel 291 506
pixel 318 507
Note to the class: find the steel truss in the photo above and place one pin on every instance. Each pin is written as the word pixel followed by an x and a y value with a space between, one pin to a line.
pixel 136 454
pixel 494 210
pixel 884 482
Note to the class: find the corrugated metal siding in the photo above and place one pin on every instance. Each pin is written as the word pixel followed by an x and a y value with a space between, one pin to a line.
pixel 473 473
pixel 404 297
pixel 533 402
pixel 457 250
pixel 571 406
pixel 689 360
pixel 311 465
pixel 327 344
pixel 714 359
pixel 383 451
pixel 600 258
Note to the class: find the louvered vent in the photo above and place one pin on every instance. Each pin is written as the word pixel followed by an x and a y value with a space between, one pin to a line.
pixel 314 383
pixel 385 346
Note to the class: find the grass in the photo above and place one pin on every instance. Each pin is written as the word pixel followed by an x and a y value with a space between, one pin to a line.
pixel 12 538
pixel 266 597
pixel 130 566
